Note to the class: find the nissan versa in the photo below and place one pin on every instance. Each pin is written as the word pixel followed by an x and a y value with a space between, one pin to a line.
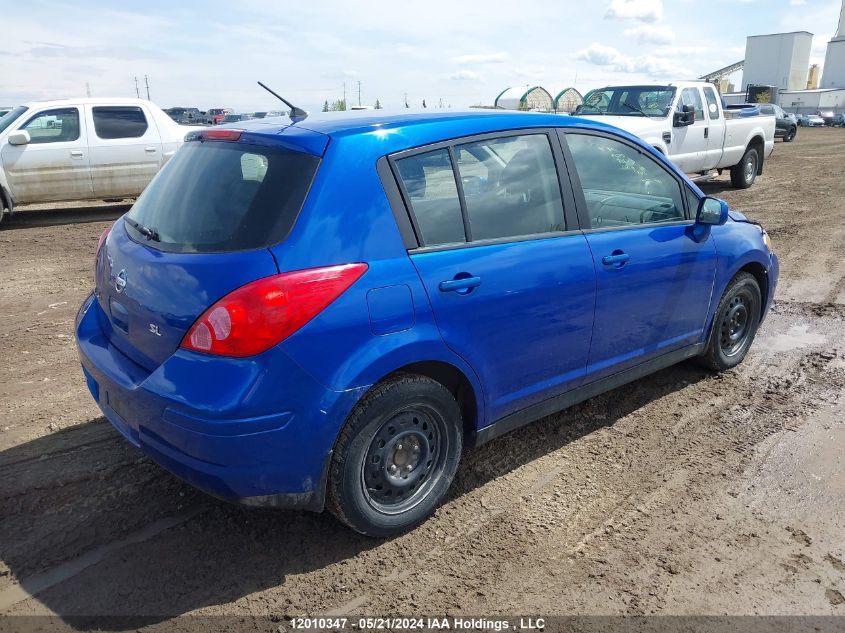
pixel 323 312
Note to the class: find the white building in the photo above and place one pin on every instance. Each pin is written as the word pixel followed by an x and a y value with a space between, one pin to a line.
pixel 781 60
pixel 833 74
pixel 812 101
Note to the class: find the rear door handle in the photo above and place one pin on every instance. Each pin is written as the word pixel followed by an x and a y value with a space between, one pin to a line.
pixel 150 149
pixel 76 153
pixel 462 285
pixel 618 259
pixel 706 132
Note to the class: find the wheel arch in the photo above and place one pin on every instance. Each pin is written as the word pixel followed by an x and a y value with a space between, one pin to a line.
pixel 759 272
pixel 455 380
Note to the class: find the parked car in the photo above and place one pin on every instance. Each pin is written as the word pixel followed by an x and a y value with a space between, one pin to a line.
pixel 80 149
pixel 838 120
pixel 251 334
pixel 685 121
pixel 218 114
pixel 785 128
pixel 810 120
pixel 189 116
pixel 827 116
pixel 4 110
pixel 234 118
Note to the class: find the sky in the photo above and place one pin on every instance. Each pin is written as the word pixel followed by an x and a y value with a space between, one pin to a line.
pixel 455 52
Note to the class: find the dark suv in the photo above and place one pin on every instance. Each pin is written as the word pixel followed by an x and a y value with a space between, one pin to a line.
pixel 785 127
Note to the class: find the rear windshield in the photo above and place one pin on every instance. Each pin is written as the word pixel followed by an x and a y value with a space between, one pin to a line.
pixel 215 196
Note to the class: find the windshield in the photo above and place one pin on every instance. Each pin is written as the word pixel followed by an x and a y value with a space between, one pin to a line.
pixel 650 101
pixel 10 117
pixel 216 196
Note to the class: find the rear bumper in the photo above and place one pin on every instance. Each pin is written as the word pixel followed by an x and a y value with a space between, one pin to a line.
pixel 257 431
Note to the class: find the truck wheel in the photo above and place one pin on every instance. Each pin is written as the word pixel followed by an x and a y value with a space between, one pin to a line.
pixel 744 173
pixel 734 324
pixel 790 135
pixel 396 456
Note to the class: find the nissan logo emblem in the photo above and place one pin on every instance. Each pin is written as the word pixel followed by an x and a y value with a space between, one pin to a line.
pixel 120 281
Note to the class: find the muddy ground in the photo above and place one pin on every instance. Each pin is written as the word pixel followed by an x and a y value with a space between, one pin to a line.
pixel 682 493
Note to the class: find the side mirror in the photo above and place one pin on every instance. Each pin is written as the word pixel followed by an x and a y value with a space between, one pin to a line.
pixel 21 137
pixel 685 117
pixel 711 212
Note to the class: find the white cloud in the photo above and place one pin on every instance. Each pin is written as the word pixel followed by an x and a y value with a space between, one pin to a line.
pixel 465 75
pixel 644 10
pixel 480 58
pixel 797 3
pixel 651 65
pixel 651 33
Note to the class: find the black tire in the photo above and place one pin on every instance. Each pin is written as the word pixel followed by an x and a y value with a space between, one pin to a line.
pixel 790 135
pixel 734 324
pixel 744 173
pixel 408 422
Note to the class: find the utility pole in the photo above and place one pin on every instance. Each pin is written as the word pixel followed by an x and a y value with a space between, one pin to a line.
pixel 344 95
pixel 88 89
pixel 146 81
pixel 137 94
pixel 406 101
pixel 359 92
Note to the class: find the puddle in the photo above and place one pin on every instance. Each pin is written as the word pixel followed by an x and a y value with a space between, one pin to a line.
pixel 797 337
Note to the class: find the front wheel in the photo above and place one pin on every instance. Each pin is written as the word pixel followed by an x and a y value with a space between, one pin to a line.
pixel 744 173
pixel 734 324
pixel 396 456
pixel 790 135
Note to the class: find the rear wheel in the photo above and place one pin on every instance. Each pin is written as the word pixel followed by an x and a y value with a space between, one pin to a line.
pixel 735 324
pixel 396 456
pixel 744 173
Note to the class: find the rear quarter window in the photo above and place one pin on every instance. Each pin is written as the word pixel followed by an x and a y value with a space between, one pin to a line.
pixel 215 196
pixel 119 122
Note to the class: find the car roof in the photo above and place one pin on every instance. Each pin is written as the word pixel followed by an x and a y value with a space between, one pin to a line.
pixel 86 101
pixel 404 129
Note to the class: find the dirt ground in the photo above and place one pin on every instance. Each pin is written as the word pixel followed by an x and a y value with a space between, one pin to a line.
pixel 682 493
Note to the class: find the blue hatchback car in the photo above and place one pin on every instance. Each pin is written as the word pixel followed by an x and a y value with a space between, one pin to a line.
pixel 326 312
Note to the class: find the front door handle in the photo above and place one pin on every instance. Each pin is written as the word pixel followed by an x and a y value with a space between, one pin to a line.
pixel 617 259
pixel 76 153
pixel 706 132
pixel 461 285
pixel 150 149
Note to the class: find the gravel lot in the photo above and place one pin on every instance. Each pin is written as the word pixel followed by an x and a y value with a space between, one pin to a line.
pixel 682 493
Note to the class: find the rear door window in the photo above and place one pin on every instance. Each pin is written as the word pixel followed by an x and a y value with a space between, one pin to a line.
pixel 712 103
pixel 510 187
pixel 215 196
pixel 119 122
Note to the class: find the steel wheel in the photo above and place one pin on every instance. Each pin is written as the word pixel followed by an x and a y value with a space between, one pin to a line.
pixel 735 325
pixel 750 167
pixel 405 458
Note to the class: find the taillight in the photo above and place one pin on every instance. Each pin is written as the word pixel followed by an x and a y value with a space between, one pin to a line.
pixel 261 314
pixel 102 239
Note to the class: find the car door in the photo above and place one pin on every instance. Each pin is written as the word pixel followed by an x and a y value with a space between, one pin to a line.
pixel 715 130
pixel 125 148
pixel 511 288
pixel 54 165
pixel 654 279
pixel 689 143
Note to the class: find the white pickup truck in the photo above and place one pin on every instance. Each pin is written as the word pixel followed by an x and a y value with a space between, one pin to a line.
pixel 81 149
pixel 685 121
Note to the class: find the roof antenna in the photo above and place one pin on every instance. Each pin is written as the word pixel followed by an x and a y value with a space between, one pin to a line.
pixel 296 114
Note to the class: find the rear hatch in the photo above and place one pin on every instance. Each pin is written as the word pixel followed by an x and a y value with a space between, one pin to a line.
pixel 200 230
